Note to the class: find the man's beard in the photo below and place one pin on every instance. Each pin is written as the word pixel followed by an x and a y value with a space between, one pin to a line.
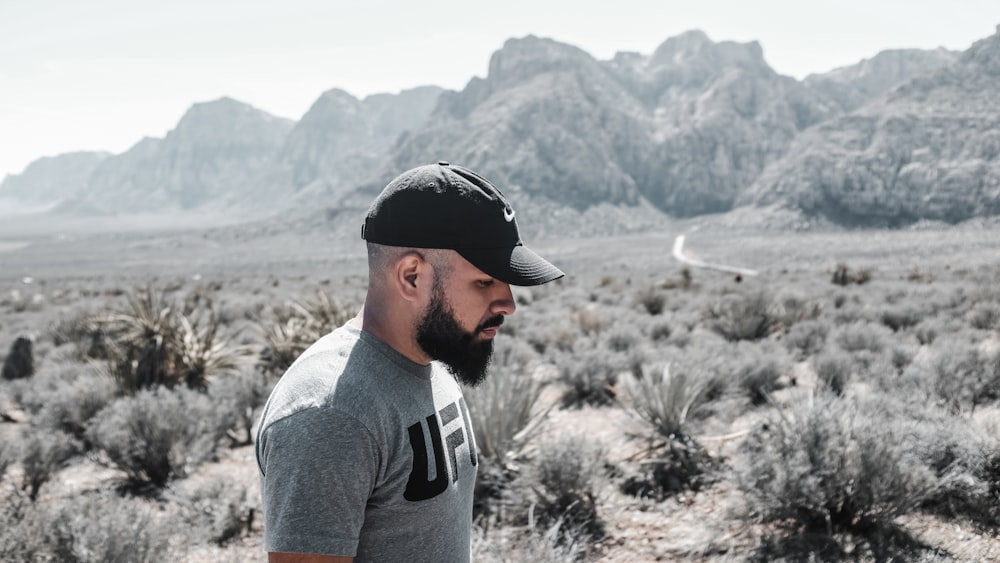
pixel 441 338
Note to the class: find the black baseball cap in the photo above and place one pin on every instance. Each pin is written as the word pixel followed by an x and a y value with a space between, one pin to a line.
pixel 447 206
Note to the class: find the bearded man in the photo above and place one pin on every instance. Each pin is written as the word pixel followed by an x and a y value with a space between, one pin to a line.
pixel 365 447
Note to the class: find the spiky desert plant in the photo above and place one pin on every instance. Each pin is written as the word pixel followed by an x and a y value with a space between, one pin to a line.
pixel 202 352
pixel 139 340
pixel 663 399
pixel 298 326
pixel 505 415
pixel 155 342
pixel 673 460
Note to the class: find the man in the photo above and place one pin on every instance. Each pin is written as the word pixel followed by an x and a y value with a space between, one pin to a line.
pixel 365 447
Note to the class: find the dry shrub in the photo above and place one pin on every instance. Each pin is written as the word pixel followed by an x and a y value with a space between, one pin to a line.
pixel 562 482
pixel 43 453
pixel 744 317
pixel 833 465
pixel 515 545
pixel 103 527
pixel 157 435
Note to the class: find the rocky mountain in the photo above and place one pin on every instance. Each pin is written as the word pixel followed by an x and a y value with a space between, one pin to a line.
pixel 684 129
pixel 928 149
pixel 339 141
pixel 695 127
pixel 216 148
pixel 852 86
pixel 52 178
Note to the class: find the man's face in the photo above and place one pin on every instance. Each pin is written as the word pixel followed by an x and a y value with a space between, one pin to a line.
pixel 461 320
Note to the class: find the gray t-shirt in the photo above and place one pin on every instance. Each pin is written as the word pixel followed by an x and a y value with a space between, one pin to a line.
pixel 365 453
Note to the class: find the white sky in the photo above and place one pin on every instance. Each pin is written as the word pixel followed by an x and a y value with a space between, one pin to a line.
pixel 102 74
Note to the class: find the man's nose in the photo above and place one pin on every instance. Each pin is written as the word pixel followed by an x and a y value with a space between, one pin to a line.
pixel 503 301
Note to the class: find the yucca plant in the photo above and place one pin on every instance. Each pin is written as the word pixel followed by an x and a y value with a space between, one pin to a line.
pixel 154 342
pixel 201 353
pixel 672 460
pixel 505 416
pixel 297 327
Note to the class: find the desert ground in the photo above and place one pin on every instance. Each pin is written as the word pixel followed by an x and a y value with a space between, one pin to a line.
pixel 841 405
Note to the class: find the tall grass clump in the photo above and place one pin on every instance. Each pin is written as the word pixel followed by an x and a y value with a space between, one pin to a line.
pixel 157 435
pixel 672 461
pixel 833 465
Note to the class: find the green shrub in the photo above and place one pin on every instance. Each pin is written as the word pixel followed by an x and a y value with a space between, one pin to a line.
pixel 833 370
pixel 744 317
pixel 26 531
pixel 44 452
pixel 219 509
pixel 102 527
pixel 157 435
pixel 238 397
pixel 758 369
pixel 962 375
pixel 590 373
pixel 806 338
pixel 65 398
pixel 563 481
pixel 832 465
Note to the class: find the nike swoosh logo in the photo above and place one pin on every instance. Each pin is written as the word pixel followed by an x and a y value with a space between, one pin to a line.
pixel 508 214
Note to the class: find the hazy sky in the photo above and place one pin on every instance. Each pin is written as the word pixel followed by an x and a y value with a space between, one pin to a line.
pixel 102 74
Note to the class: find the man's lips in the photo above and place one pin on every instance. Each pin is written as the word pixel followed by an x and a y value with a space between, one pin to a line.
pixel 490 326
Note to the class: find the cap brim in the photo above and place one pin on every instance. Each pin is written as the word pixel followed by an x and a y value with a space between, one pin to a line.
pixel 517 265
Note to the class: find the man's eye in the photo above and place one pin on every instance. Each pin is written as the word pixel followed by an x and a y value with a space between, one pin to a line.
pixel 485 283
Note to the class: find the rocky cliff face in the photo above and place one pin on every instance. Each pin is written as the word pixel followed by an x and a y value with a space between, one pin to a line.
pixel 852 86
pixel 340 139
pixel 216 148
pixel 685 128
pixel 695 127
pixel 52 178
pixel 719 115
pixel 548 120
pixel 928 149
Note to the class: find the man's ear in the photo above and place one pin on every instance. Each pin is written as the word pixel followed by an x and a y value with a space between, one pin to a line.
pixel 412 273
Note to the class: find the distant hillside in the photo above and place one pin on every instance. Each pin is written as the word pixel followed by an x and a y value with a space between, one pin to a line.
pixel 216 148
pixel 928 149
pixel 53 178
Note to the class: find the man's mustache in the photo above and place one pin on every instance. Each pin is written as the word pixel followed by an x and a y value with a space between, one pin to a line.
pixel 490 323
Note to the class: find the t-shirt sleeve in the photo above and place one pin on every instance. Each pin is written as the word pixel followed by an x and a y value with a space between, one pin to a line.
pixel 318 469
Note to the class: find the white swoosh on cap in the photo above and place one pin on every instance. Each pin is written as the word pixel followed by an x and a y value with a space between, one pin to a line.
pixel 508 216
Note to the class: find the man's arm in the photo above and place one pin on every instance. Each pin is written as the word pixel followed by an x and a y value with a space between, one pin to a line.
pixel 278 557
